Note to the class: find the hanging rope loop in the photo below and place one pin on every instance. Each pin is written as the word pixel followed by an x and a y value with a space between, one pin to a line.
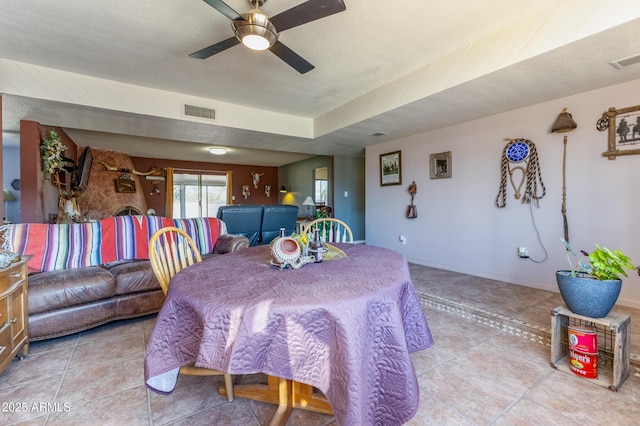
pixel 532 173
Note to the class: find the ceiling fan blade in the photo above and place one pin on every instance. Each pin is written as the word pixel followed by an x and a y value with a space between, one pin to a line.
pixel 308 11
pixel 215 48
pixel 294 60
pixel 224 8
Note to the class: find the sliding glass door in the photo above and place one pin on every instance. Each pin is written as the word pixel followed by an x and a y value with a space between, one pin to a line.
pixel 198 195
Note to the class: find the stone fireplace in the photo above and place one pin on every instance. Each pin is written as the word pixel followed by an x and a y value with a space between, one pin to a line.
pixel 128 211
pixel 101 198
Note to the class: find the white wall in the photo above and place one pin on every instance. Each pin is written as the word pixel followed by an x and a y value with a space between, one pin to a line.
pixel 459 227
pixel 10 172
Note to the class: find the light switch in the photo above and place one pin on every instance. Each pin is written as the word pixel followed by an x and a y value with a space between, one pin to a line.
pixel 346 194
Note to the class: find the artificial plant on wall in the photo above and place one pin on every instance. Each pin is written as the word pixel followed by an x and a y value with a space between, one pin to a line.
pixel 51 151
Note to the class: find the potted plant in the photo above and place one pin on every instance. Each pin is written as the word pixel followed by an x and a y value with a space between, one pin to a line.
pixel 592 289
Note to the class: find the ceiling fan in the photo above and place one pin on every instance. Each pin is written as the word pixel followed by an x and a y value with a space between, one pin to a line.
pixel 259 32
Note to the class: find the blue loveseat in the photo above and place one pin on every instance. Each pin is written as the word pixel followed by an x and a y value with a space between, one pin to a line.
pixel 259 223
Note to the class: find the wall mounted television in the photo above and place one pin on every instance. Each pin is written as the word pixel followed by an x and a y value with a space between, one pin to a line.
pixel 83 170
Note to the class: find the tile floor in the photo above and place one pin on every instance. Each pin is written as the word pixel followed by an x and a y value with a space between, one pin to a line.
pixel 489 366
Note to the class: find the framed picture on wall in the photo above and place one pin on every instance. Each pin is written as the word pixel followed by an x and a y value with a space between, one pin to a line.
pixel 390 169
pixel 440 165
pixel 624 131
pixel 125 185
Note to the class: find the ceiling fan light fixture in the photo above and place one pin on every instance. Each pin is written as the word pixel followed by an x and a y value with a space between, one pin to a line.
pixel 256 31
pixel 256 42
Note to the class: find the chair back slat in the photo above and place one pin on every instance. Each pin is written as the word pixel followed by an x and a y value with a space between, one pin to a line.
pixel 331 230
pixel 344 235
pixel 170 250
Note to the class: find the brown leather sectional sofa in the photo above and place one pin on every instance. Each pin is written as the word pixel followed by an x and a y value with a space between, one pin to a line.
pixel 71 300
pixel 66 301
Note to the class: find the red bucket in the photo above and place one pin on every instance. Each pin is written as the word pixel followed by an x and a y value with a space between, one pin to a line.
pixel 583 364
pixel 583 339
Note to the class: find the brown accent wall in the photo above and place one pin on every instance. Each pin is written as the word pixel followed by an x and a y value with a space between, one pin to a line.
pixel 39 195
pixel 241 176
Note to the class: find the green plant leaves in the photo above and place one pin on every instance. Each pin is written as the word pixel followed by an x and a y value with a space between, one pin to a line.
pixel 605 264
pixel 609 265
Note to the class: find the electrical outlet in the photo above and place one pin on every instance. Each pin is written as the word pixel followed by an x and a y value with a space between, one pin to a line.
pixel 402 239
pixel 523 252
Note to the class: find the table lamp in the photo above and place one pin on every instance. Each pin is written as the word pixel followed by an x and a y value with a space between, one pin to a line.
pixel 308 202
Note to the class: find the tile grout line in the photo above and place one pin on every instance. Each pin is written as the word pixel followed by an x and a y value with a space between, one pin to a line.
pixel 64 374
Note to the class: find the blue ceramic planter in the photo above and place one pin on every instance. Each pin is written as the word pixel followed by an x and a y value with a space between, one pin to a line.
pixel 588 296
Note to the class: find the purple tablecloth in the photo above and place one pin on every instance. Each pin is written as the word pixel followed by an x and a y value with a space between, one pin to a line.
pixel 344 326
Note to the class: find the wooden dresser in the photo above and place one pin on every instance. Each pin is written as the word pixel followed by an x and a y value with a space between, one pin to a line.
pixel 14 334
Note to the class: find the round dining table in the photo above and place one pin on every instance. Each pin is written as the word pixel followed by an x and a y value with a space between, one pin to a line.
pixel 345 327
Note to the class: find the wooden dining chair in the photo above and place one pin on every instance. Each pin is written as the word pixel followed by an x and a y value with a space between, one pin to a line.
pixel 332 230
pixel 170 250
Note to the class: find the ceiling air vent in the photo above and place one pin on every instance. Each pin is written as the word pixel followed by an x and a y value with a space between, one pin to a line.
pixel 199 112
pixel 625 62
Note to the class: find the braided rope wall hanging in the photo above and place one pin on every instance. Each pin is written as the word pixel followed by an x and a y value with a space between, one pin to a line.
pixel 519 151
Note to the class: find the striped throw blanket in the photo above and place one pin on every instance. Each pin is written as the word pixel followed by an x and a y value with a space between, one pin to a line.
pixel 62 246
pixel 77 245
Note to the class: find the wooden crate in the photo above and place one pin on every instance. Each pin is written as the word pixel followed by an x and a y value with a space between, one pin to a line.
pixel 613 344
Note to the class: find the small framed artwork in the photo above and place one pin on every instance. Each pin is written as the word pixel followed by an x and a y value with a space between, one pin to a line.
pixel 390 169
pixel 125 185
pixel 440 165
pixel 624 131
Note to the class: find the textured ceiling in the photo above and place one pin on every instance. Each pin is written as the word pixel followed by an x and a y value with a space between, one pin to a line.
pixel 400 67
